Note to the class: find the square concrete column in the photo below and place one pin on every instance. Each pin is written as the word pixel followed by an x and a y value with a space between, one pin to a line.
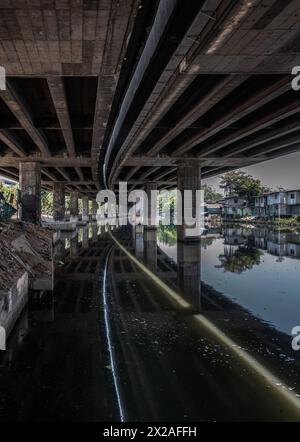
pixel 30 185
pixel 58 201
pixel 152 206
pixel 85 208
pixel 74 207
pixel 95 209
pixel 188 179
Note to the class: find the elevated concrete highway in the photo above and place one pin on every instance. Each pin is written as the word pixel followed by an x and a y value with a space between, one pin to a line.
pixel 103 91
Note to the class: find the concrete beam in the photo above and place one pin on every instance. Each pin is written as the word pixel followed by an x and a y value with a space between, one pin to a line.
pixel 69 182
pixel 57 90
pixel 17 106
pixel 49 161
pixel 171 161
pixel 11 141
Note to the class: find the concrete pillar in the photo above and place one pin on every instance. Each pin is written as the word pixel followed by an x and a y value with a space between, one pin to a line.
pixel 152 204
pixel 85 208
pixel 74 207
pixel 189 272
pixel 188 178
pixel 58 201
pixel 30 185
pixel 95 209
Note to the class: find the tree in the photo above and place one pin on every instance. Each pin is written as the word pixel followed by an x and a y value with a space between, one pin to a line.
pixel 10 193
pixel 46 202
pixel 210 195
pixel 241 184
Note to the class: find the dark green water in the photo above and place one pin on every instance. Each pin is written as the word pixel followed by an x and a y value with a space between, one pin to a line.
pixel 110 344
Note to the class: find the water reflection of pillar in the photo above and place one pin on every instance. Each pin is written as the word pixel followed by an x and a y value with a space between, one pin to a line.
pixel 150 249
pixel 95 232
pixel 85 237
pixel 189 271
pixel 59 250
pixel 74 246
pixel 138 241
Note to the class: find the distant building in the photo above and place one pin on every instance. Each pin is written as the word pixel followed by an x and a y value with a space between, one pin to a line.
pixel 213 210
pixel 278 204
pixel 7 181
pixel 235 206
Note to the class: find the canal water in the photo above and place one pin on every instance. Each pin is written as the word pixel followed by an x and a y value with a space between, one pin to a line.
pixel 142 328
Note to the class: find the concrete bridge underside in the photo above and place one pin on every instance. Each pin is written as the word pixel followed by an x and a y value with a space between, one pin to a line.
pixel 103 91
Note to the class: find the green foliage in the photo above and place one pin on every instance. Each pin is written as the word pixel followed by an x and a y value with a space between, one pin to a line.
pixel 210 195
pixel 9 193
pixel 10 196
pixel 243 185
pixel 47 202
pixel 167 235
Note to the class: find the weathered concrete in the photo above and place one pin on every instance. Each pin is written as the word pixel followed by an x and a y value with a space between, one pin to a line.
pixel 30 185
pixel 12 303
pixel 85 208
pixel 64 226
pixel 188 179
pixel 58 201
pixel 95 209
pixel 74 207
pixel 151 189
pixel 150 248
pixel 189 271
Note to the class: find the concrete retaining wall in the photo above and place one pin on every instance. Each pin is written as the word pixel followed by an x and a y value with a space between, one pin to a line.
pixel 12 303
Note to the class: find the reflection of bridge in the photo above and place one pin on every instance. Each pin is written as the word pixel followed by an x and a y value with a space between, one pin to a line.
pixel 161 92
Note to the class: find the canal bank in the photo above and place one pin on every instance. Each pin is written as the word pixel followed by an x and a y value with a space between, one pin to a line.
pixel 26 264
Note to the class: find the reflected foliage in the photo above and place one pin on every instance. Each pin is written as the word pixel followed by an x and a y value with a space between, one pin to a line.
pixel 206 242
pixel 167 235
pixel 241 260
